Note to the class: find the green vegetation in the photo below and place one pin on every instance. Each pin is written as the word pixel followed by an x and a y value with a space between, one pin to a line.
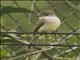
pixel 15 18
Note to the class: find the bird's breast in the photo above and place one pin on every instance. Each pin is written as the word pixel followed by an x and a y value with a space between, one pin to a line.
pixel 51 24
pixel 48 27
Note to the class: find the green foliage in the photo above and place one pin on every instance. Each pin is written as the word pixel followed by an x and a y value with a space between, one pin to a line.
pixel 15 18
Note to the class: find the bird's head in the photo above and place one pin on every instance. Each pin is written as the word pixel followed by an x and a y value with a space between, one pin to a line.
pixel 46 13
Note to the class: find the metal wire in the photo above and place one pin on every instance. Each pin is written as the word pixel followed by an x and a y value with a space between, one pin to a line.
pixel 64 36
pixel 54 8
pixel 74 33
pixel 38 44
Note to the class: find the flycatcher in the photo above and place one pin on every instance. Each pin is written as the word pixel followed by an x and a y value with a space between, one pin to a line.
pixel 48 22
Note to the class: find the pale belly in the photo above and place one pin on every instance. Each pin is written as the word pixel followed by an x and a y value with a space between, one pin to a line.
pixel 49 27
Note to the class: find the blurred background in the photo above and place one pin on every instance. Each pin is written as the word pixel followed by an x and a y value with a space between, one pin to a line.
pixel 21 16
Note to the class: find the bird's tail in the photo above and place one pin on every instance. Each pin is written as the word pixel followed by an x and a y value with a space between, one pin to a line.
pixel 33 40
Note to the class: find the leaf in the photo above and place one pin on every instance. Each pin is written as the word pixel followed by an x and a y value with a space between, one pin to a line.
pixel 4 52
pixel 10 9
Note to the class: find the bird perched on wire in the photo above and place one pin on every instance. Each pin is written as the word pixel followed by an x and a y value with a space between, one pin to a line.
pixel 48 22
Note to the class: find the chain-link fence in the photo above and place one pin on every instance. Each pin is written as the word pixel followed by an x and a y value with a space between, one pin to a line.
pixel 18 19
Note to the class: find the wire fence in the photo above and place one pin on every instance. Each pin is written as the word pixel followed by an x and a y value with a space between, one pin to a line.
pixel 18 28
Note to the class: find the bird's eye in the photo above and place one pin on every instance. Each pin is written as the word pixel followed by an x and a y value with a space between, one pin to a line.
pixel 46 14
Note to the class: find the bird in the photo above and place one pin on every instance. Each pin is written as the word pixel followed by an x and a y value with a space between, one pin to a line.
pixel 47 22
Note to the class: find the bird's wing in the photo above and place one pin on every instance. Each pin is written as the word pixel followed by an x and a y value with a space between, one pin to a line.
pixel 38 25
pixel 36 28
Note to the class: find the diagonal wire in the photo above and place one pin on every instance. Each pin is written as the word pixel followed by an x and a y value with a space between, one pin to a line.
pixel 64 19
pixel 32 8
pixel 16 21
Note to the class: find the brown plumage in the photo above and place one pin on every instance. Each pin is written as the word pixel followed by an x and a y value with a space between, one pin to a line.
pixel 48 22
pixel 35 37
